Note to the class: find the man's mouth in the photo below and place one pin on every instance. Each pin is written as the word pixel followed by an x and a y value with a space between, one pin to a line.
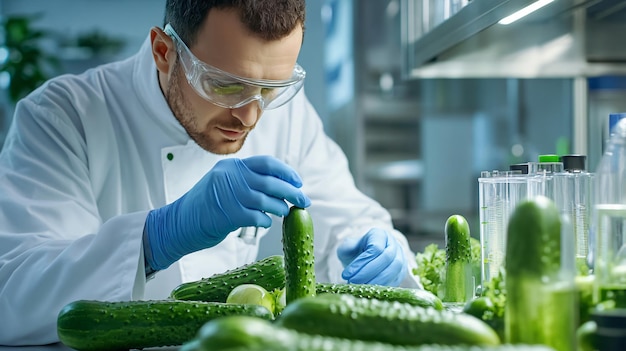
pixel 232 134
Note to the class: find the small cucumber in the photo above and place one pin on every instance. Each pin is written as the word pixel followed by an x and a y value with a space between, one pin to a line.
pixel 416 297
pixel 534 239
pixel 268 273
pixel 346 316
pixel 541 306
pixel 241 333
pixel 297 239
pixel 458 286
pixel 89 325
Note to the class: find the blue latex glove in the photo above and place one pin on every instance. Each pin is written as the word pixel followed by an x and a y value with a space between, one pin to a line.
pixel 236 193
pixel 375 258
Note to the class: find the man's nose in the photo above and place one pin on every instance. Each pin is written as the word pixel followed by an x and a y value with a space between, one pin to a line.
pixel 248 114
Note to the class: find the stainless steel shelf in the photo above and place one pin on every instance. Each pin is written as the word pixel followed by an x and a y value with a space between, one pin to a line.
pixel 429 55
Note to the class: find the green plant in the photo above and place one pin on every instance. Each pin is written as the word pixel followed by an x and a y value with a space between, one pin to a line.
pixel 99 43
pixel 27 63
pixel 431 268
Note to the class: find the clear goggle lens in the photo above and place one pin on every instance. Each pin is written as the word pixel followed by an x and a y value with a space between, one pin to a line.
pixel 230 91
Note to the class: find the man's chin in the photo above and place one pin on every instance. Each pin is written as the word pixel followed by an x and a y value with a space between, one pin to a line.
pixel 224 147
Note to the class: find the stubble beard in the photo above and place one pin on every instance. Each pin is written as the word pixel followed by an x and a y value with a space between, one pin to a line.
pixel 181 108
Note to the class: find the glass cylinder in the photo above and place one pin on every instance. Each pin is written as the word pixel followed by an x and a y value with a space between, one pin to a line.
pixel 499 193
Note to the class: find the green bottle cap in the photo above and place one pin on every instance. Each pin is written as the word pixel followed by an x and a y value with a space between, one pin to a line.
pixel 549 158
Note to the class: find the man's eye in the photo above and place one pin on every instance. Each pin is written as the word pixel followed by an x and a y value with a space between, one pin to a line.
pixel 267 91
pixel 225 88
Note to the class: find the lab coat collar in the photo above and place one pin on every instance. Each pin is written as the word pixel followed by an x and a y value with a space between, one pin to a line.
pixel 146 84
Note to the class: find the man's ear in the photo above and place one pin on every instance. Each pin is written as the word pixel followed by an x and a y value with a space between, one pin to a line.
pixel 163 50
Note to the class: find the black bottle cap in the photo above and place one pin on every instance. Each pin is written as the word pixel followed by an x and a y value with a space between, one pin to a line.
pixel 611 329
pixel 522 167
pixel 574 162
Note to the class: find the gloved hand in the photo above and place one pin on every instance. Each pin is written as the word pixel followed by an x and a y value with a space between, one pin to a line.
pixel 375 258
pixel 236 193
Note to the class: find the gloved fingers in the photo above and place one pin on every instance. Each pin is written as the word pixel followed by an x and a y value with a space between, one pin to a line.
pixel 348 250
pixel 276 188
pixel 374 257
pixel 393 274
pixel 274 167
pixel 253 218
pixel 366 267
pixel 257 200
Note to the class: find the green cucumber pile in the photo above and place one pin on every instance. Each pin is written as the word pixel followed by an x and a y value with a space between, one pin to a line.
pixel 275 303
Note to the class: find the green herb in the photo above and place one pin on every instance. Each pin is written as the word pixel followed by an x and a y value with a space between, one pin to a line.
pixel 431 267
pixel 476 257
pixel 496 292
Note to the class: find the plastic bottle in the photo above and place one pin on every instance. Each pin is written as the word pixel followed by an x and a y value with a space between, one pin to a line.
pixel 609 216
pixel 613 119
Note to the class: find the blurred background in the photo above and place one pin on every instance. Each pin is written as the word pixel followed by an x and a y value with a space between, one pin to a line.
pixel 422 95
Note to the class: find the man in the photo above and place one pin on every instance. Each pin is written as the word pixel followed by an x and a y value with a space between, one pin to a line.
pixel 125 181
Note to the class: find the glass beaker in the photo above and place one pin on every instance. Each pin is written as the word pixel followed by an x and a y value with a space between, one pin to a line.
pixel 499 193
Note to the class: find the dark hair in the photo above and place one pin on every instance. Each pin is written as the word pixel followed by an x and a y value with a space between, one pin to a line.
pixel 269 19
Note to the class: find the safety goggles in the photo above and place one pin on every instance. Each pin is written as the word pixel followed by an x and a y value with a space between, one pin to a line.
pixel 231 91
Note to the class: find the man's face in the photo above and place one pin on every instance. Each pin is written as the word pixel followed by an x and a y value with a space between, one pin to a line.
pixel 225 43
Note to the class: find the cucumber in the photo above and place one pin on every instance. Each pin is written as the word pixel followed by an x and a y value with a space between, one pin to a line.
pixel 268 273
pixel 347 316
pixel 90 325
pixel 533 239
pixel 541 307
pixel 297 239
pixel 459 283
pixel 416 297
pixel 243 333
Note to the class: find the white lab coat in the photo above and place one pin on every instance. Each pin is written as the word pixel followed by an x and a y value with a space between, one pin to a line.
pixel 86 158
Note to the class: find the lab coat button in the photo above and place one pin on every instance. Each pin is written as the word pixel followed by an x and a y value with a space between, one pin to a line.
pixel 170 156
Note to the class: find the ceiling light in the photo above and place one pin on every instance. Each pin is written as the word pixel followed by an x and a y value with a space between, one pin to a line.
pixel 525 11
